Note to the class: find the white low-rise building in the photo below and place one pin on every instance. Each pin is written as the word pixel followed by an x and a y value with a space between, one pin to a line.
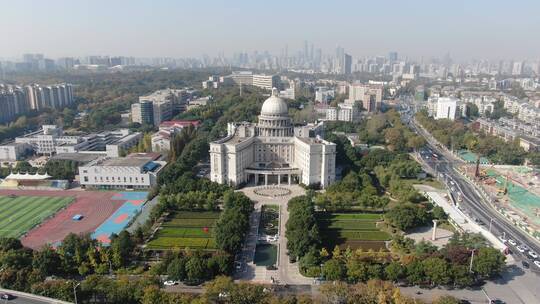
pixel 51 140
pixel 14 151
pixel 131 172
pixel 161 140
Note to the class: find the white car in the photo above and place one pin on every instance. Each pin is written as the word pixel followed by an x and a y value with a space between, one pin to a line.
pixel 512 242
pixel 520 249
pixel 533 254
pixel 170 283
pixel 537 263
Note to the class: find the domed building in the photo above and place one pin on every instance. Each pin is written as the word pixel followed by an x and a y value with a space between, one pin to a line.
pixel 273 151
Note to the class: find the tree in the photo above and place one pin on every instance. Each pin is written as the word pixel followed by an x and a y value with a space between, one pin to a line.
pixel 357 271
pixel 394 271
pixel 230 230
pixel 153 295
pixel 438 213
pixel 333 270
pixel 461 276
pixel 446 300
pixel 472 110
pixel 416 142
pixel 302 230
pixel 488 262
pixel 406 216
pixel 415 272
pixel 122 248
pixel 436 271
pixel 176 270
pixel 47 261
pixel 220 285
pixel 196 270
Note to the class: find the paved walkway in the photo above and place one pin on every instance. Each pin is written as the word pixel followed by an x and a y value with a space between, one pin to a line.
pixel 287 272
pixel 143 216
pixel 425 233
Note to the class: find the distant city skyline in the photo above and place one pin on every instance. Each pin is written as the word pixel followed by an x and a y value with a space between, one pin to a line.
pixel 165 28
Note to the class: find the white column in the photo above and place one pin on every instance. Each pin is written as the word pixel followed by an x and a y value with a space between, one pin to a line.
pixel 289 179
pixel 266 180
pixel 434 235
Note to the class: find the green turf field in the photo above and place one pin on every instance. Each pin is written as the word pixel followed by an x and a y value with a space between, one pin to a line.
pixel 186 229
pixel 351 230
pixel 19 214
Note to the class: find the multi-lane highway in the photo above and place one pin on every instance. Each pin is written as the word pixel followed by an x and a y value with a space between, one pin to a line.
pixel 472 201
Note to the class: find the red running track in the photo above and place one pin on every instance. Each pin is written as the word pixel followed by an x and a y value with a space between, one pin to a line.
pixel 95 206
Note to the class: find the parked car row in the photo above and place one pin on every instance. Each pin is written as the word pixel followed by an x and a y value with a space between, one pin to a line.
pixel 522 249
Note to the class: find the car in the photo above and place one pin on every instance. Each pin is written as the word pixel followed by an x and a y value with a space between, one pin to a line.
pixel 238 265
pixel 537 263
pixel 7 296
pixel 525 247
pixel 520 249
pixel 533 254
pixel 170 283
pixel 512 242
pixel 525 264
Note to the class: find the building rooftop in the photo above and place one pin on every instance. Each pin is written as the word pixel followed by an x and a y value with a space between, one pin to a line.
pixel 78 157
pixel 183 123
pixel 125 162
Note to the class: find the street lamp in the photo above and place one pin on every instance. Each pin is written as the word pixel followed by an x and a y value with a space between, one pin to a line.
pixel 490 221
pixel 485 293
pixel 472 258
pixel 75 290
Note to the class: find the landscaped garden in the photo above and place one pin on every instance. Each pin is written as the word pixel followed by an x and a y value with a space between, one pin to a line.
pixel 186 229
pixel 269 222
pixel 354 230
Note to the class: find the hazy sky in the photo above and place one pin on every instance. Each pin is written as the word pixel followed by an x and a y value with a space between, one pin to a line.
pixel 467 29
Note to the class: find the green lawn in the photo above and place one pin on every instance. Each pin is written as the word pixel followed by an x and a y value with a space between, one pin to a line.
pixel 357 225
pixel 186 232
pixel 20 214
pixel 352 216
pixel 186 229
pixel 189 222
pixel 164 242
pixel 354 229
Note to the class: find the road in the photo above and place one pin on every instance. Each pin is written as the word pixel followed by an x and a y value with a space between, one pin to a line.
pixel 26 298
pixel 518 284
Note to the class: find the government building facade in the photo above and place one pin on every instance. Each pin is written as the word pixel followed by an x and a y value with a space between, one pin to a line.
pixel 273 151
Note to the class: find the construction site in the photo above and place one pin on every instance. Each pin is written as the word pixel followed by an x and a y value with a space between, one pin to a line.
pixel 515 190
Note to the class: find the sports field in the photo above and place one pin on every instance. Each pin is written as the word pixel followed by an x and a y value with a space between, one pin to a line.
pixel 186 229
pixel 133 204
pixel 354 230
pixel 94 206
pixel 18 214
